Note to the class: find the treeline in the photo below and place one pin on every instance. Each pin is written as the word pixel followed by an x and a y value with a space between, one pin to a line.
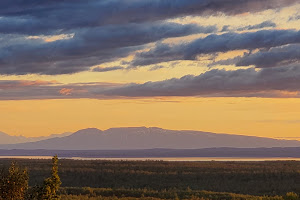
pixel 167 180
pixel 254 178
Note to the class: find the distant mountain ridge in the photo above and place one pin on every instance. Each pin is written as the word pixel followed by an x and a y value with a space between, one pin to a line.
pixel 10 139
pixel 149 138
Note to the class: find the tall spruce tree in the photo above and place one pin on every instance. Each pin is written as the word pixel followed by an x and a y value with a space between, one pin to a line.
pixel 51 185
pixel 14 184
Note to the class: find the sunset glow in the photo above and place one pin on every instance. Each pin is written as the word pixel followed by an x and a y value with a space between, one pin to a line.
pixel 231 69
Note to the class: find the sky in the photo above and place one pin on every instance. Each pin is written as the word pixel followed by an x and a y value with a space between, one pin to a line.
pixel 222 66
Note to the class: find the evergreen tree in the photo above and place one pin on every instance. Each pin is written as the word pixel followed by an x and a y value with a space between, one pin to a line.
pixel 51 185
pixel 14 185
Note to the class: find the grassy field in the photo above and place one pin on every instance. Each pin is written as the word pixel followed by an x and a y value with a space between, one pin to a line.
pixel 169 180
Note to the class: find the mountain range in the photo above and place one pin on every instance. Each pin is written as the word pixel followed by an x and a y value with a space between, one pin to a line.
pixel 10 139
pixel 136 138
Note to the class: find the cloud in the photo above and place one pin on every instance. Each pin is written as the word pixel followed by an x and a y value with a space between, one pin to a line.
pixel 267 82
pixel 47 17
pixel 17 90
pixel 280 82
pixel 226 28
pixel 88 47
pixel 64 37
pixel 273 57
pixel 216 43
pixel 294 18
pixel 229 61
pixel 107 69
pixel 265 24
pixel 156 67
pixel 66 91
pixel 12 84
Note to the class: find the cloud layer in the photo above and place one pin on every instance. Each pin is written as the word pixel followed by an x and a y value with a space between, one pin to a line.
pixel 268 82
pixel 274 57
pixel 242 82
pixel 215 44
pixel 65 37
pixel 104 31
pixel 46 17
pixel 87 47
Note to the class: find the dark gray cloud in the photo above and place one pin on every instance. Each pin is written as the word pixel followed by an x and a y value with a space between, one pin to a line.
pixel 243 82
pixel 216 43
pixel 107 69
pixel 226 28
pixel 108 30
pixel 67 66
pixel 24 90
pixel 265 24
pixel 229 61
pixel 156 67
pixel 274 57
pixel 7 40
pixel 103 30
pixel 35 17
pixel 268 82
pixel 88 47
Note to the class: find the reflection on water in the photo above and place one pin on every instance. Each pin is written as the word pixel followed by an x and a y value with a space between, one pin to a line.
pixel 191 159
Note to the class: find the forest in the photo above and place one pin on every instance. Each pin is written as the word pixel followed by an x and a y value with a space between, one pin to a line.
pixel 99 179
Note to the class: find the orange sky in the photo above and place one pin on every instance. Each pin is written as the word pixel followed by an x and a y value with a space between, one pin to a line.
pixel 247 116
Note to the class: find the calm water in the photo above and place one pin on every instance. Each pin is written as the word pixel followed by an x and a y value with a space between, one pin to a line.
pixel 191 159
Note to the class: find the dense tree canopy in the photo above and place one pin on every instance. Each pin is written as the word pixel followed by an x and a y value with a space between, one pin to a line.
pixel 147 180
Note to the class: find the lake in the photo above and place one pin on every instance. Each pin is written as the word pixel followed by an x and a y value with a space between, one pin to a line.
pixel 171 159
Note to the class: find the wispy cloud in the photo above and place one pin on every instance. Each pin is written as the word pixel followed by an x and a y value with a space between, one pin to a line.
pixel 107 69
pixel 265 24
pixel 66 91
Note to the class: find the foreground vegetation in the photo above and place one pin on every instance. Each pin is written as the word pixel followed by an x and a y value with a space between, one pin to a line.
pixel 89 193
pixel 95 180
pixel 14 184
